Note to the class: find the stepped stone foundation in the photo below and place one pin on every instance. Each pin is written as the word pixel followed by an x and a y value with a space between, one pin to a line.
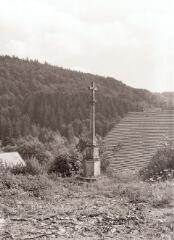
pixel 134 141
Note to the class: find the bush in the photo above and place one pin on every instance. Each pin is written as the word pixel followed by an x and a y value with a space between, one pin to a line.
pixel 33 167
pixel 104 162
pixel 4 173
pixel 33 148
pixel 66 164
pixel 30 147
pixel 161 167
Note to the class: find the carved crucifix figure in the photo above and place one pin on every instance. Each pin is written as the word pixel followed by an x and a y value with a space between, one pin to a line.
pixel 93 89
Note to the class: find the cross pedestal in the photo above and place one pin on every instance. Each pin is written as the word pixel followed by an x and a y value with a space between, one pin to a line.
pixel 92 162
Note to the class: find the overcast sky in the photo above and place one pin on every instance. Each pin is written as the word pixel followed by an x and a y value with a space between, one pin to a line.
pixel 130 40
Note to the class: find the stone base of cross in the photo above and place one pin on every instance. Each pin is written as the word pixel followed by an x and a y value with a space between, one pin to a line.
pixel 91 166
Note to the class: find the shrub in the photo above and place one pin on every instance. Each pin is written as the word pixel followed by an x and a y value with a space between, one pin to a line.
pixel 82 144
pixel 104 162
pixel 33 167
pixel 66 164
pixel 161 166
pixel 4 173
pixel 30 147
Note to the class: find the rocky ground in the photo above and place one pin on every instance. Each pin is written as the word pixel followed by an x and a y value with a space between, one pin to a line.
pixel 58 208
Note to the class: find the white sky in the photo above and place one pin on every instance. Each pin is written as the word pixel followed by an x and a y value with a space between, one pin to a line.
pixel 130 40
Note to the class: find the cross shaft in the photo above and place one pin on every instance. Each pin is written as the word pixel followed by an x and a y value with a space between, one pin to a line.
pixel 93 89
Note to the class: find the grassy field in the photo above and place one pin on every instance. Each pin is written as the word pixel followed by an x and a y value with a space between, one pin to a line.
pixel 50 207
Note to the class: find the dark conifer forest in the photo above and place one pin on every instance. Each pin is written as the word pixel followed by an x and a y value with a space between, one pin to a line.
pixel 34 96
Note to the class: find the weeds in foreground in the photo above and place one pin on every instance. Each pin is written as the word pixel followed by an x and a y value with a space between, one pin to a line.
pixel 127 187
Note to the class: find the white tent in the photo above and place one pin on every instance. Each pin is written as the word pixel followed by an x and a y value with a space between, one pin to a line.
pixel 11 159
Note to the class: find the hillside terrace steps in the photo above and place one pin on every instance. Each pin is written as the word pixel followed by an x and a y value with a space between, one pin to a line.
pixel 133 142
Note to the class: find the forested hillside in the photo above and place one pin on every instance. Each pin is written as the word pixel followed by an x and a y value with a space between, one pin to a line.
pixel 35 95
pixel 169 99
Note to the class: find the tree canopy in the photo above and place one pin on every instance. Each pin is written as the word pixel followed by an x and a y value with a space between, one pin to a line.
pixel 35 96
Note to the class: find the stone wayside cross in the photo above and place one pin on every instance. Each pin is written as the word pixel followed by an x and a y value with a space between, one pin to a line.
pixel 91 167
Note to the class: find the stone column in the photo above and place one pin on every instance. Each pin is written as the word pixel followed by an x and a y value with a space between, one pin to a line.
pixel 91 158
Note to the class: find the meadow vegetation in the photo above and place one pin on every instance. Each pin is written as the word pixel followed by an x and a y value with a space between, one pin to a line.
pixel 36 203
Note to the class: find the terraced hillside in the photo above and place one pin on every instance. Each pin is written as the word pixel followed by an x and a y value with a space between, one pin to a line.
pixel 132 143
